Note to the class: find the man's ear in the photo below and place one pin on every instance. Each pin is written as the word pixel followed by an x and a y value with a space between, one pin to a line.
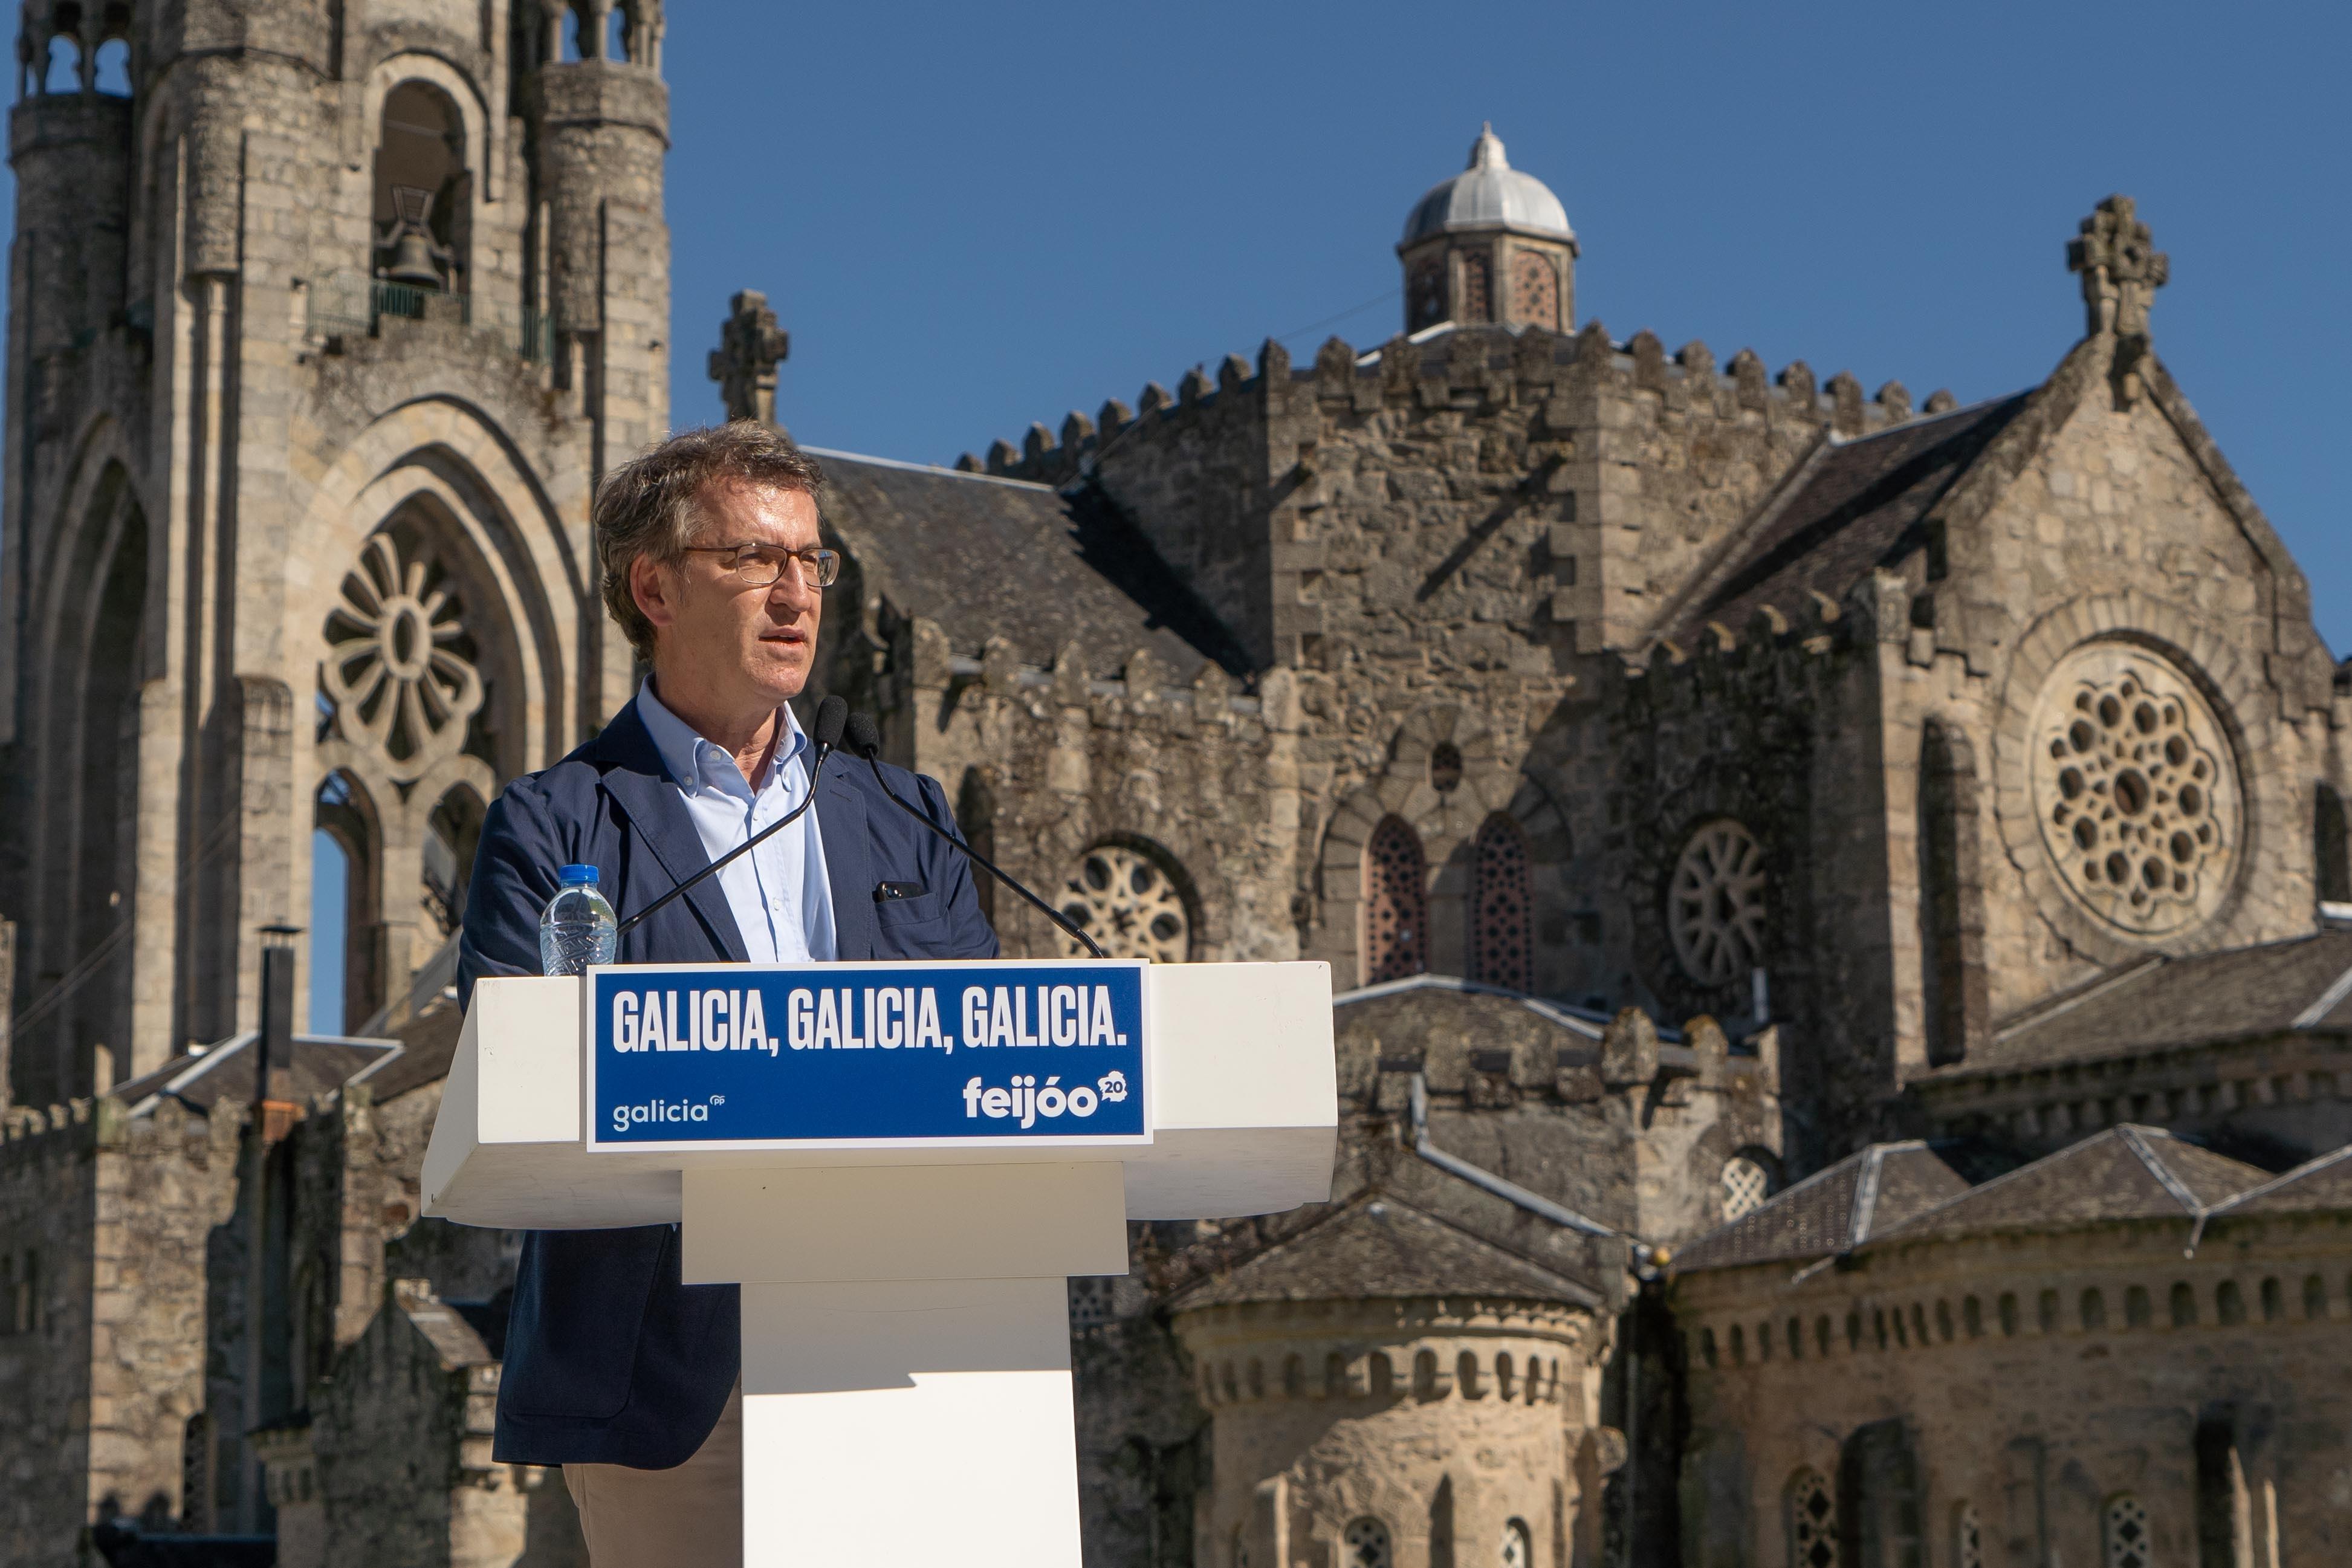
pixel 654 588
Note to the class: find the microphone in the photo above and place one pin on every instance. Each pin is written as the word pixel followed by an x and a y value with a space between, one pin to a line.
pixel 831 715
pixel 866 741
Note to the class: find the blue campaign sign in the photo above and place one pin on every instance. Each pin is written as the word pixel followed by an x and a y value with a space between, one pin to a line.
pixel 722 1056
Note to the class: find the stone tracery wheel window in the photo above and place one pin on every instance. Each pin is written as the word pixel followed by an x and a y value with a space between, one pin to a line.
pixel 399 666
pixel 1745 1184
pixel 2126 1532
pixel 2136 789
pixel 1714 903
pixel 1396 903
pixel 1502 915
pixel 1812 1521
pixel 1366 1545
pixel 1127 902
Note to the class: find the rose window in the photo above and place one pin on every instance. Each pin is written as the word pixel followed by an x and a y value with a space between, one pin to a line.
pixel 1715 904
pixel 397 666
pixel 1123 899
pixel 2135 790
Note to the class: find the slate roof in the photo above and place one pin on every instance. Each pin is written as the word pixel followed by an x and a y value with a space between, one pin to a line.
pixel 203 1079
pixel 2322 1184
pixel 1378 1247
pixel 2304 983
pixel 2126 1172
pixel 1837 1209
pixel 1852 507
pixel 428 1045
pixel 984 556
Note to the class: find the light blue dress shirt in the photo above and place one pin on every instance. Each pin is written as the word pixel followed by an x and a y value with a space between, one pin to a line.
pixel 778 893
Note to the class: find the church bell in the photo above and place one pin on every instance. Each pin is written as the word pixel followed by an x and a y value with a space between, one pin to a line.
pixel 412 260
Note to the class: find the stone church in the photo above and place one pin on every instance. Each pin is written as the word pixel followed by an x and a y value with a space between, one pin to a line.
pixel 1809 875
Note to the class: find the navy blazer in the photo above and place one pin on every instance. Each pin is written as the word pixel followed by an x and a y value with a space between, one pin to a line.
pixel 609 1359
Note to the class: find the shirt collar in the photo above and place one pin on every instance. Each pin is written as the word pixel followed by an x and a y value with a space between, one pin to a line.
pixel 698 763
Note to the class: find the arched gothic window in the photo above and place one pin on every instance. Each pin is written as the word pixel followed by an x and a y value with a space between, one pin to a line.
pixel 1878 1482
pixel 1517 1550
pixel 1365 1545
pixel 1951 896
pixel 1812 1521
pixel 1502 943
pixel 1396 903
pixel 2331 847
pixel 2126 1533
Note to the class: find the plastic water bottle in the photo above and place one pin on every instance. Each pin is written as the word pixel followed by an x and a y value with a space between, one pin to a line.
pixel 579 928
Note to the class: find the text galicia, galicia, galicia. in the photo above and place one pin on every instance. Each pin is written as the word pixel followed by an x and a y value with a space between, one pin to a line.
pixel 866 1018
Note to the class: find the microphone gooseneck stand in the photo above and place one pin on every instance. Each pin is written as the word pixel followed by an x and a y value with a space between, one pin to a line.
pixel 866 741
pixel 831 715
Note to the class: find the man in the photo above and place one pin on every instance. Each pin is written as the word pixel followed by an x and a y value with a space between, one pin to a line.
pixel 713 567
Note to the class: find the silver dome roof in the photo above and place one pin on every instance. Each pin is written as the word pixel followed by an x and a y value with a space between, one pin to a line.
pixel 1489 194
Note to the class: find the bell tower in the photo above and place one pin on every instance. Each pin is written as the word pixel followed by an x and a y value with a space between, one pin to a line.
pixel 326 319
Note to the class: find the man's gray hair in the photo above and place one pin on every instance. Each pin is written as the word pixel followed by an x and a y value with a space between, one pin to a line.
pixel 651 506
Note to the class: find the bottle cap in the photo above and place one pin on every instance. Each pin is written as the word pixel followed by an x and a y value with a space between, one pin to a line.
pixel 576 877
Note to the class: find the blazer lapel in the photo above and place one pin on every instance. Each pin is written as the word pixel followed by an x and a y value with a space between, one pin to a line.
pixel 848 867
pixel 639 785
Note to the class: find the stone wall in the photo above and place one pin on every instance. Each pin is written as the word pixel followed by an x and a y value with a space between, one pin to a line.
pixel 48 1200
pixel 1201 777
pixel 2273 1101
pixel 401 1443
pixel 2036 1380
pixel 105 1226
pixel 1450 1424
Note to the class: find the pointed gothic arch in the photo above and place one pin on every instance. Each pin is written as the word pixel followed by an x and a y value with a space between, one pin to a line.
pixel 1954 986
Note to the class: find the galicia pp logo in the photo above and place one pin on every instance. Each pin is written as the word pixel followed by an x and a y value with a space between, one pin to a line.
pixel 653 1110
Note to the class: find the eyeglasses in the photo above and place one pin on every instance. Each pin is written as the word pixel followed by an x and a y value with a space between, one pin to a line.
pixel 761 565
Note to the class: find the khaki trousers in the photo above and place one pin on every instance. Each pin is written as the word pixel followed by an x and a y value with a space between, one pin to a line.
pixel 687 1517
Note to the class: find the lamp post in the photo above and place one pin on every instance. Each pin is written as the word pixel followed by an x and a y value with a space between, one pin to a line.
pixel 271 1115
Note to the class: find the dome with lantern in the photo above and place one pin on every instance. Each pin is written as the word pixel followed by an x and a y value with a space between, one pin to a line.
pixel 1489 194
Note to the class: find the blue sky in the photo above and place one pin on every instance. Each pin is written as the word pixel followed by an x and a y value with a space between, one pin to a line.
pixel 974 217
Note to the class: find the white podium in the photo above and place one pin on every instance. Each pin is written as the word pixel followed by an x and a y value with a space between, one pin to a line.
pixel 905 1307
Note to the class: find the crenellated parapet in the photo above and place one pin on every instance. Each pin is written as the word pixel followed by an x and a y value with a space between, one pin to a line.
pixel 1245 479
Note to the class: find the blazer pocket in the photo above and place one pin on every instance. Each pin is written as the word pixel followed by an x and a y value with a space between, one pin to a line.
pixel 896 913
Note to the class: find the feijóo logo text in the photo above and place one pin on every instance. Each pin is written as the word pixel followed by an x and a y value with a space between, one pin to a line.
pixel 1025 1100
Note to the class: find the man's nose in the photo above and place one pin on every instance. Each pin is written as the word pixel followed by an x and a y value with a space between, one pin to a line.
pixel 795 589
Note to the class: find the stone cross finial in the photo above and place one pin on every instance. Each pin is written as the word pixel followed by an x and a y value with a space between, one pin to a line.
pixel 2121 270
pixel 750 346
